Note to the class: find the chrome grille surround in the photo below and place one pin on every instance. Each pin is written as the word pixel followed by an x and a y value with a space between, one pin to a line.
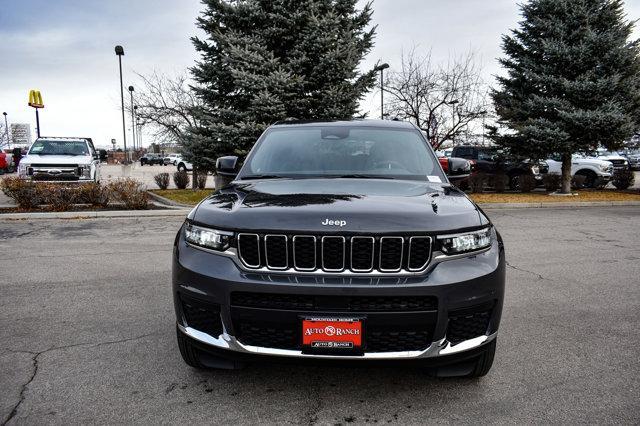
pixel 335 254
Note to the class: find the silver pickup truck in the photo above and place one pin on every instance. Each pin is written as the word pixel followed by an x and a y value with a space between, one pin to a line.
pixel 61 159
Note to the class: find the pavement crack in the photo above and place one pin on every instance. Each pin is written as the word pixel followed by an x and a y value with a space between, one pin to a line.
pixel 14 410
pixel 35 362
pixel 540 277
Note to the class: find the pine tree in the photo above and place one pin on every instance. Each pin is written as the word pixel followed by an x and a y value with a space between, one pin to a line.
pixel 268 60
pixel 573 80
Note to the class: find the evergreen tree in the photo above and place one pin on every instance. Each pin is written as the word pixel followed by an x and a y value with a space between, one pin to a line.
pixel 268 60
pixel 573 80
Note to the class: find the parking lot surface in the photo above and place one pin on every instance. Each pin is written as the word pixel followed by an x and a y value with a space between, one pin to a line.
pixel 87 335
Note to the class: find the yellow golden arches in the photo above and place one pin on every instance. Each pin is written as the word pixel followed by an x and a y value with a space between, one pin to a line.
pixel 35 99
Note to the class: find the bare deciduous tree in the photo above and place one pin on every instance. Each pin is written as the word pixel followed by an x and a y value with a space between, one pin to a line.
pixel 167 104
pixel 443 101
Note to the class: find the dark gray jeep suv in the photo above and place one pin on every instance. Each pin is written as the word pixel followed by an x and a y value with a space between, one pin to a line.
pixel 339 241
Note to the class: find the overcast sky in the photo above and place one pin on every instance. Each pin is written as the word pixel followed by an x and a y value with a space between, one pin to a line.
pixel 64 48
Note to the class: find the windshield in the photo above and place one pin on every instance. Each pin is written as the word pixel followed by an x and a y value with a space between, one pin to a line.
pixel 340 151
pixel 59 147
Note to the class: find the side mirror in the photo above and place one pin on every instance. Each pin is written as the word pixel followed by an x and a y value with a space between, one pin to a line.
pixel 459 168
pixel 227 166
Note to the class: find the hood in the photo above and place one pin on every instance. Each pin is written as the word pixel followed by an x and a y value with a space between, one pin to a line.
pixel 56 159
pixel 343 205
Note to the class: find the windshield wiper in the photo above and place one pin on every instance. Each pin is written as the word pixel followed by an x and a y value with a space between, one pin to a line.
pixel 359 176
pixel 250 177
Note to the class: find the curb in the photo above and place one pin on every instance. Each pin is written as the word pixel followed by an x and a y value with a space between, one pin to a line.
pixel 167 201
pixel 555 205
pixel 96 214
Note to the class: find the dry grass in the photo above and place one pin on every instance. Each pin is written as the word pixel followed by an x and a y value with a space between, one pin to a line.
pixel 540 197
pixel 184 196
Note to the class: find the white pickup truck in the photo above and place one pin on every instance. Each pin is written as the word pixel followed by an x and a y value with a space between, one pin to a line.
pixel 60 159
pixel 597 172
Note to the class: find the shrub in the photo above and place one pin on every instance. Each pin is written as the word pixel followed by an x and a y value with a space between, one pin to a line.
pixel 93 193
pixel 552 181
pixel 476 182
pixel 201 180
pixel 623 179
pixel 25 193
pixel 59 198
pixel 499 182
pixel 129 192
pixel 181 179
pixel 577 181
pixel 527 183
pixel 162 180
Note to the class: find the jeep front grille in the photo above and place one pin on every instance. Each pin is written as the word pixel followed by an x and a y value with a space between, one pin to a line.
pixel 333 253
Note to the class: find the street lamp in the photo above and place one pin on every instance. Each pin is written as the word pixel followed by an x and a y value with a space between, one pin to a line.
pixel 133 120
pixel 453 119
pixel 136 145
pixel 120 54
pixel 6 127
pixel 381 68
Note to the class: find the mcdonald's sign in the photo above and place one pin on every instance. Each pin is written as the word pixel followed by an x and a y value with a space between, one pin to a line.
pixel 35 99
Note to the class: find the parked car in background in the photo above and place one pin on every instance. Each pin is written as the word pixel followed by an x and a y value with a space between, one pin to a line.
pixel 61 159
pixel 633 157
pixel 454 166
pixel 493 160
pixel 597 172
pixel 184 166
pixel 151 159
pixel 619 162
pixel 172 159
pixel 6 163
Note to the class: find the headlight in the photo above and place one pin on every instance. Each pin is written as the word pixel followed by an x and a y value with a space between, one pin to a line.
pixel 207 238
pixel 605 167
pixel 22 170
pixel 535 170
pixel 461 243
pixel 85 170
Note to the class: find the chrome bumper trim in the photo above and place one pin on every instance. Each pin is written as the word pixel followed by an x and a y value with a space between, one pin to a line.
pixel 439 348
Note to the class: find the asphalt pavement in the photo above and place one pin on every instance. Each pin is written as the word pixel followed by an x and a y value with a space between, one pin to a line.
pixel 87 335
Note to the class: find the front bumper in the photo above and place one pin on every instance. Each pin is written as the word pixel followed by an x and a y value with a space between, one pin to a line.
pixel 463 288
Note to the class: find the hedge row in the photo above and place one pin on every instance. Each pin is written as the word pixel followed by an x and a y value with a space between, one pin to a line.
pixel 57 197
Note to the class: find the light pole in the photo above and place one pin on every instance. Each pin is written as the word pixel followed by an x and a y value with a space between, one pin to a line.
pixel 136 144
pixel 6 127
pixel 120 54
pixel 484 116
pixel 381 68
pixel 453 119
pixel 133 121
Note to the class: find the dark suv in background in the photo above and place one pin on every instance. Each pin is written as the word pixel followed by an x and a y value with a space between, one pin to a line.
pixel 339 241
pixel 493 160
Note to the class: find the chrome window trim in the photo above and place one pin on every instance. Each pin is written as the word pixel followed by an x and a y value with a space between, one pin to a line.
pixel 373 253
pixel 409 268
pixel 344 254
pixel 240 250
pixel 380 268
pixel 315 253
pixel 286 252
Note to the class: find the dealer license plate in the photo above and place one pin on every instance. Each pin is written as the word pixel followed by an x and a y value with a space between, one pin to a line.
pixel 332 334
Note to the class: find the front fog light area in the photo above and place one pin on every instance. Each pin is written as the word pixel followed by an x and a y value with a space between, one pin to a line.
pixel 208 238
pixel 462 243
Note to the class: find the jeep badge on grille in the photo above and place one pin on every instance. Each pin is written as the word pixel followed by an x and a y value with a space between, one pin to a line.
pixel 329 222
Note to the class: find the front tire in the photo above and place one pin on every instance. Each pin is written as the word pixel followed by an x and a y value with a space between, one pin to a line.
pixel 478 367
pixel 182 167
pixel 195 358
pixel 590 178
pixel 188 352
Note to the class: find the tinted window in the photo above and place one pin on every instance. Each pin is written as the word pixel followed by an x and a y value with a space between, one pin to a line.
pixel 336 151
